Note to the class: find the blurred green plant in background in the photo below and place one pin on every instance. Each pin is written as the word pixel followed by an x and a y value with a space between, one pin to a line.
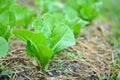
pixel 111 10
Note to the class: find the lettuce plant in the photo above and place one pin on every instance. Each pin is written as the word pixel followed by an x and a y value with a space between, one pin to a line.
pixel 45 45
pixel 72 20
pixel 85 12
pixel 7 22
pixel 85 9
pixel 7 18
pixel 24 15
pixel 48 19
pixel 12 15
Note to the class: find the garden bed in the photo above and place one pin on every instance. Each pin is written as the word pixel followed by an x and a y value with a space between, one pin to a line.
pixel 89 59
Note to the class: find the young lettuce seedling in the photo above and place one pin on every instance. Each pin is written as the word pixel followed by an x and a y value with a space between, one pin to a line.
pixel 85 9
pixel 7 22
pixel 88 13
pixel 55 29
pixel 24 15
pixel 7 18
pixel 44 46
pixel 48 19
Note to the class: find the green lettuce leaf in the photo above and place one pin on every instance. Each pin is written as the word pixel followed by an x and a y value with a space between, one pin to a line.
pixel 7 18
pixel 61 37
pixel 24 15
pixel 25 35
pixel 4 47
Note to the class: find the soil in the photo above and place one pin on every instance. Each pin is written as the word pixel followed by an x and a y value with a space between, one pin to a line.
pixel 91 60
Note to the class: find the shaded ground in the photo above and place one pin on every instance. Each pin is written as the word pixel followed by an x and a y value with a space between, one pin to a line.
pixel 89 59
